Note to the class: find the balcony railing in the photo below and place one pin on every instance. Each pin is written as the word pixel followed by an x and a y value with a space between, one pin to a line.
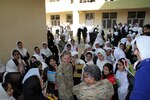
pixel 86 1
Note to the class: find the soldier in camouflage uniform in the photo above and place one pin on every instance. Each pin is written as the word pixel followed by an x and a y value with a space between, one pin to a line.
pixel 93 88
pixel 64 78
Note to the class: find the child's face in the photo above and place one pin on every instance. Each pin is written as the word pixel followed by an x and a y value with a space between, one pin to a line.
pixel 74 58
pixel 10 90
pixel 97 45
pixel 16 55
pixel 106 71
pixel 69 48
pixel 66 59
pixel 120 66
pixel 72 42
pixel 52 62
pixel 33 60
pixel 20 45
pixel 100 57
pixel 45 46
pixel 37 51
pixel 88 57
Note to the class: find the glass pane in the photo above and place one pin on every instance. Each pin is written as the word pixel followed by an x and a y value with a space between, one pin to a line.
pixel 55 23
pixel 52 23
pixel 129 21
pixel 104 23
pixel 57 17
pixel 113 23
pixel 91 15
pixel 131 14
pixel 109 23
pixel 58 23
pixel 141 14
pixel 69 16
pixel 87 15
pixel 52 17
pixel 141 22
pixel 135 21
pixel 113 15
pixel 105 15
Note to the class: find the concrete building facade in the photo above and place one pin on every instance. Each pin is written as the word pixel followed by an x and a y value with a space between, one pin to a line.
pixel 97 12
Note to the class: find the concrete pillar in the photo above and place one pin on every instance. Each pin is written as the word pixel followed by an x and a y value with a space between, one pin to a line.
pixel 75 17
pixel 75 21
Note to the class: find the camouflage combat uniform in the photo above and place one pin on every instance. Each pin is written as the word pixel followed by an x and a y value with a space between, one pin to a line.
pixel 102 90
pixel 64 79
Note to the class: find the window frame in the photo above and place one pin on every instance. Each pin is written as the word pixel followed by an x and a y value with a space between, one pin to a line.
pixel 107 20
pixel 55 20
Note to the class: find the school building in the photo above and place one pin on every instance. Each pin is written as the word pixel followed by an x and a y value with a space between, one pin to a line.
pixel 97 12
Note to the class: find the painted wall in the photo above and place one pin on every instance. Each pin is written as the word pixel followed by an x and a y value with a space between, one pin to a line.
pixel 122 16
pixel 22 20
pixel 147 17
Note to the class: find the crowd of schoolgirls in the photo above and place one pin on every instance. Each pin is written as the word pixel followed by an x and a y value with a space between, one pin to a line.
pixel 26 77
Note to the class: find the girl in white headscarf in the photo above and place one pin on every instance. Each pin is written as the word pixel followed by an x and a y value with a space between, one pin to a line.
pixel 87 48
pixel 16 64
pixel 45 51
pixel 39 57
pixel 101 61
pixel 125 79
pixel 6 91
pixel 74 46
pixel 22 50
pixel 89 57
pixel 118 54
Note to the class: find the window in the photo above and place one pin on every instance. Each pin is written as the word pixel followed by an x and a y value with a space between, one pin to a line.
pixel 109 19
pixel 86 1
pixel 89 19
pixel 89 16
pixel 55 20
pixel 69 18
pixel 54 0
pixel 136 17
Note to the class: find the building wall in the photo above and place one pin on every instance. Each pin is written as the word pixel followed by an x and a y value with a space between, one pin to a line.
pixel 22 20
pixel 122 16
pixel 147 17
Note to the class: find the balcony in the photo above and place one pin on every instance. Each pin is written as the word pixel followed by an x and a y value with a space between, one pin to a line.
pixel 70 5
pixel 87 5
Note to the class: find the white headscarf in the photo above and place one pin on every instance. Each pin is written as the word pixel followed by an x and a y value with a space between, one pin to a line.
pixel 22 51
pixel 47 52
pixel 99 63
pixel 118 54
pixel 11 66
pixel 123 40
pixel 91 61
pixel 4 95
pixel 143 46
pixel 87 46
pixel 31 72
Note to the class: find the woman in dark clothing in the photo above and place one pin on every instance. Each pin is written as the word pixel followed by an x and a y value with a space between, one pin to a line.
pixel 54 50
pixel 51 67
pixel 50 38
pixel 15 79
pixel 32 89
